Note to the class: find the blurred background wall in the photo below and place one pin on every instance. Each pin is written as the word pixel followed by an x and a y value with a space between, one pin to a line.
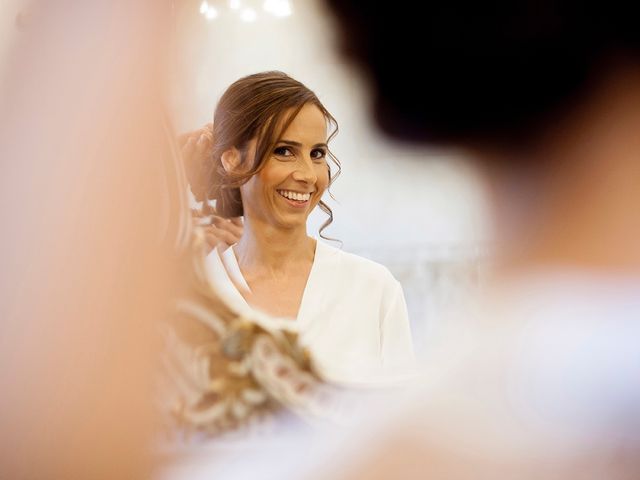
pixel 421 213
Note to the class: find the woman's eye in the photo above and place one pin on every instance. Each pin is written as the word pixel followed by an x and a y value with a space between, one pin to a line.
pixel 318 154
pixel 283 151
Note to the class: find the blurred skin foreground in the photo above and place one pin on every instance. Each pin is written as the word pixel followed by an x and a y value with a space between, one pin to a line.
pixel 83 273
pixel 544 381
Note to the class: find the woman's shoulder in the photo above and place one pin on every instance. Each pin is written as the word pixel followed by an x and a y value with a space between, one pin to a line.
pixel 355 264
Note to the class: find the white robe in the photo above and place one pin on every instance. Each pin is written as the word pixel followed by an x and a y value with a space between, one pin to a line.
pixel 353 316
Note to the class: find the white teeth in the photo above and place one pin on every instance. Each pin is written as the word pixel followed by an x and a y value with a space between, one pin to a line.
pixel 301 197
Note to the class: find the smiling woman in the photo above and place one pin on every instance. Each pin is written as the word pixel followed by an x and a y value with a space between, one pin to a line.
pixel 294 175
pixel 269 162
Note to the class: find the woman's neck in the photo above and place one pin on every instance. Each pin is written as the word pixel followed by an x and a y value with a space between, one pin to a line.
pixel 264 249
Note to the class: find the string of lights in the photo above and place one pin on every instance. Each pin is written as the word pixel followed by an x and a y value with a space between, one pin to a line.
pixel 246 10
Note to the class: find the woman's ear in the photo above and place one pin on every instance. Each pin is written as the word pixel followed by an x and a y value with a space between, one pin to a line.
pixel 231 160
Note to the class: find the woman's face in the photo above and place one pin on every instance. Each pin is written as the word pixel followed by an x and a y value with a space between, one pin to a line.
pixel 295 175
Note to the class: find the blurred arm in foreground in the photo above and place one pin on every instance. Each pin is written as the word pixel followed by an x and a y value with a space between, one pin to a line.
pixel 84 272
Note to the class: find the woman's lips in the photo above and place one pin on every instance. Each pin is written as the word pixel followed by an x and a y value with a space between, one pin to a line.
pixel 295 203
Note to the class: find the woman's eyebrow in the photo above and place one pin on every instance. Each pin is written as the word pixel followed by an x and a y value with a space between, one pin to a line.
pixel 298 144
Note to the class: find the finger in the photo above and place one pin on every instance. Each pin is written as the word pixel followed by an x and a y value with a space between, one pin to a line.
pixel 188 147
pixel 211 242
pixel 235 230
pixel 183 137
pixel 228 225
pixel 219 221
pixel 237 221
pixel 222 235
pixel 227 237
pixel 213 238
pixel 202 144
pixel 207 133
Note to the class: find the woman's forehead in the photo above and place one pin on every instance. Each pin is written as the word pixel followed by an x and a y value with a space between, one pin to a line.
pixel 308 126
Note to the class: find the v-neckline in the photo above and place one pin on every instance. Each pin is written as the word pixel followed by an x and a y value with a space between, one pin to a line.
pixel 230 260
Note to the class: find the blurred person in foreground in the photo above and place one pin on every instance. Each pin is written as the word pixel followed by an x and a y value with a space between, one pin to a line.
pixel 85 272
pixel 543 381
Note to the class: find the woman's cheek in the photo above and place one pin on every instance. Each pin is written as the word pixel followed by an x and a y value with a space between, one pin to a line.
pixel 323 176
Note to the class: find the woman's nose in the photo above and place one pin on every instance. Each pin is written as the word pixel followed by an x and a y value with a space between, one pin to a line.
pixel 305 172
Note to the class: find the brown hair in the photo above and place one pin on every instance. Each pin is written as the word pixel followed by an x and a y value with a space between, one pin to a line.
pixel 259 106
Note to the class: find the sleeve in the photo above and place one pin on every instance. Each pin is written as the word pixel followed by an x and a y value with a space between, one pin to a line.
pixel 395 334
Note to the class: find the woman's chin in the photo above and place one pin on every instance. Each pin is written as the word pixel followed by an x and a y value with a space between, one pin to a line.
pixel 292 220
